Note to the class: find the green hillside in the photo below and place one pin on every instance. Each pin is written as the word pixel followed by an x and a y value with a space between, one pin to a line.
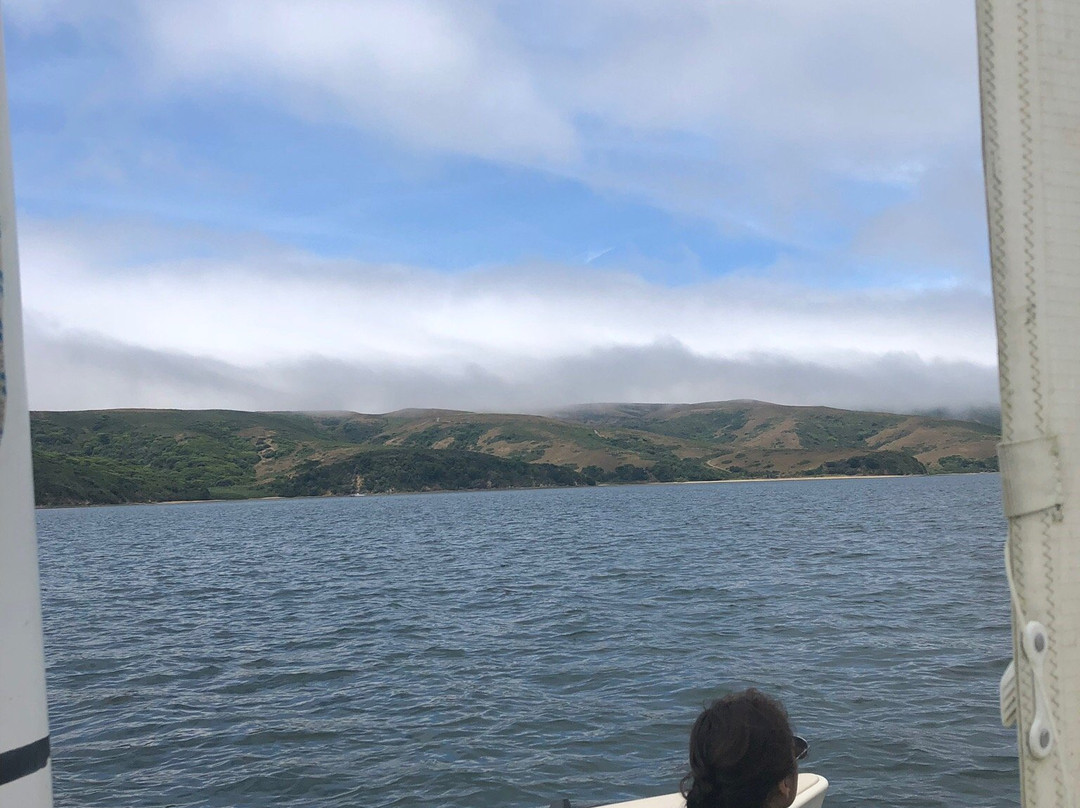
pixel 116 456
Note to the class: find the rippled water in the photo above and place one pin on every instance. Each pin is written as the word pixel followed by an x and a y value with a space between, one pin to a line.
pixel 510 648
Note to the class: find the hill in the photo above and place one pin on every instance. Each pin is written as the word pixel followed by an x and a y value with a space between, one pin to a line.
pixel 113 456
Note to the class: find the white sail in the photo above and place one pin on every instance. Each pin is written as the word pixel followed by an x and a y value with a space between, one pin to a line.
pixel 1029 54
pixel 25 772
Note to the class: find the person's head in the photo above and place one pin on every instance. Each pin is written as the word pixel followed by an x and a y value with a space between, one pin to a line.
pixel 742 755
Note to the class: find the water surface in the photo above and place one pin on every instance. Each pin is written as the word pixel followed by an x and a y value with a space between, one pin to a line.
pixel 510 648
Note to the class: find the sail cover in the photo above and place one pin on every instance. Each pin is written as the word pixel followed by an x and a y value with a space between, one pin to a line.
pixel 1029 55
pixel 25 773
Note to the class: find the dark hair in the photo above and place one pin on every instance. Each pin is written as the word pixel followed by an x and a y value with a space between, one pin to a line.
pixel 740 748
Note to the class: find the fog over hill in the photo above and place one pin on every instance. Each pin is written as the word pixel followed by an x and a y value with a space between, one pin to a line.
pixel 87 372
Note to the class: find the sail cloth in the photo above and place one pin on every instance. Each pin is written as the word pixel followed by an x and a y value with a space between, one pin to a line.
pixel 25 773
pixel 1029 56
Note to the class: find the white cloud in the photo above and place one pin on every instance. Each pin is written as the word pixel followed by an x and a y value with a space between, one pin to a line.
pixel 255 306
pixel 939 233
pixel 434 75
pixel 779 118
pixel 872 84
pixel 774 118
pixel 883 79
pixel 745 113
pixel 252 305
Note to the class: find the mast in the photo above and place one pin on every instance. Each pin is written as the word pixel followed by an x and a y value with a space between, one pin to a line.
pixel 1029 58
pixel 25 771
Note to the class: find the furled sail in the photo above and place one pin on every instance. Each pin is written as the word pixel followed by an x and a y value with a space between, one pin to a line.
pixel 25 773
pixel 1029 55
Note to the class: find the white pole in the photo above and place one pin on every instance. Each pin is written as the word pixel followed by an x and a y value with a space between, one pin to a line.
pixel 25 771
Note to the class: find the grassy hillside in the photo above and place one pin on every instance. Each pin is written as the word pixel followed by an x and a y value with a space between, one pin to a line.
pixel 157 455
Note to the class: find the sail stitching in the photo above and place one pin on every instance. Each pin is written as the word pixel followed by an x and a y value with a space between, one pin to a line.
pixel 1031 323
pixel 1014 562
pixel 996 208
pixel 1027 163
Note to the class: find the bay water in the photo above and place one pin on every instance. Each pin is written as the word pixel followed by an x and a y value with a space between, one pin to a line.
pixel 510 648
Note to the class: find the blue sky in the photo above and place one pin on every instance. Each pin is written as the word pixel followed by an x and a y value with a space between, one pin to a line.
pixel 272 204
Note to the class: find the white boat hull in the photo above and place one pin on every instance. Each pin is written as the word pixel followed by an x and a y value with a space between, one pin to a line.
pixel 811 794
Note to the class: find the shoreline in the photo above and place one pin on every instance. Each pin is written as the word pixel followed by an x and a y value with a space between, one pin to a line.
pixel 538 488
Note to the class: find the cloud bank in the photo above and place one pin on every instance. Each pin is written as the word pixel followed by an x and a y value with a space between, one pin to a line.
pixel 272 328
pixel 86 371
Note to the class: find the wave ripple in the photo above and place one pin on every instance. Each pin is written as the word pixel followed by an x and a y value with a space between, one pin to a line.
pixel 509 648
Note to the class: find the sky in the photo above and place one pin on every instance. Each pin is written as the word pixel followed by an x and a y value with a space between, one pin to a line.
pixel 370 205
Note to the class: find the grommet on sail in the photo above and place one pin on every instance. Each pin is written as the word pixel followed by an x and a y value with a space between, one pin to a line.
pixel 1029 56
pixel 25 771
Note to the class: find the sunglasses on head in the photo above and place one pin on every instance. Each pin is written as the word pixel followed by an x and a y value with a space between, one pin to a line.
pixel 801 748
